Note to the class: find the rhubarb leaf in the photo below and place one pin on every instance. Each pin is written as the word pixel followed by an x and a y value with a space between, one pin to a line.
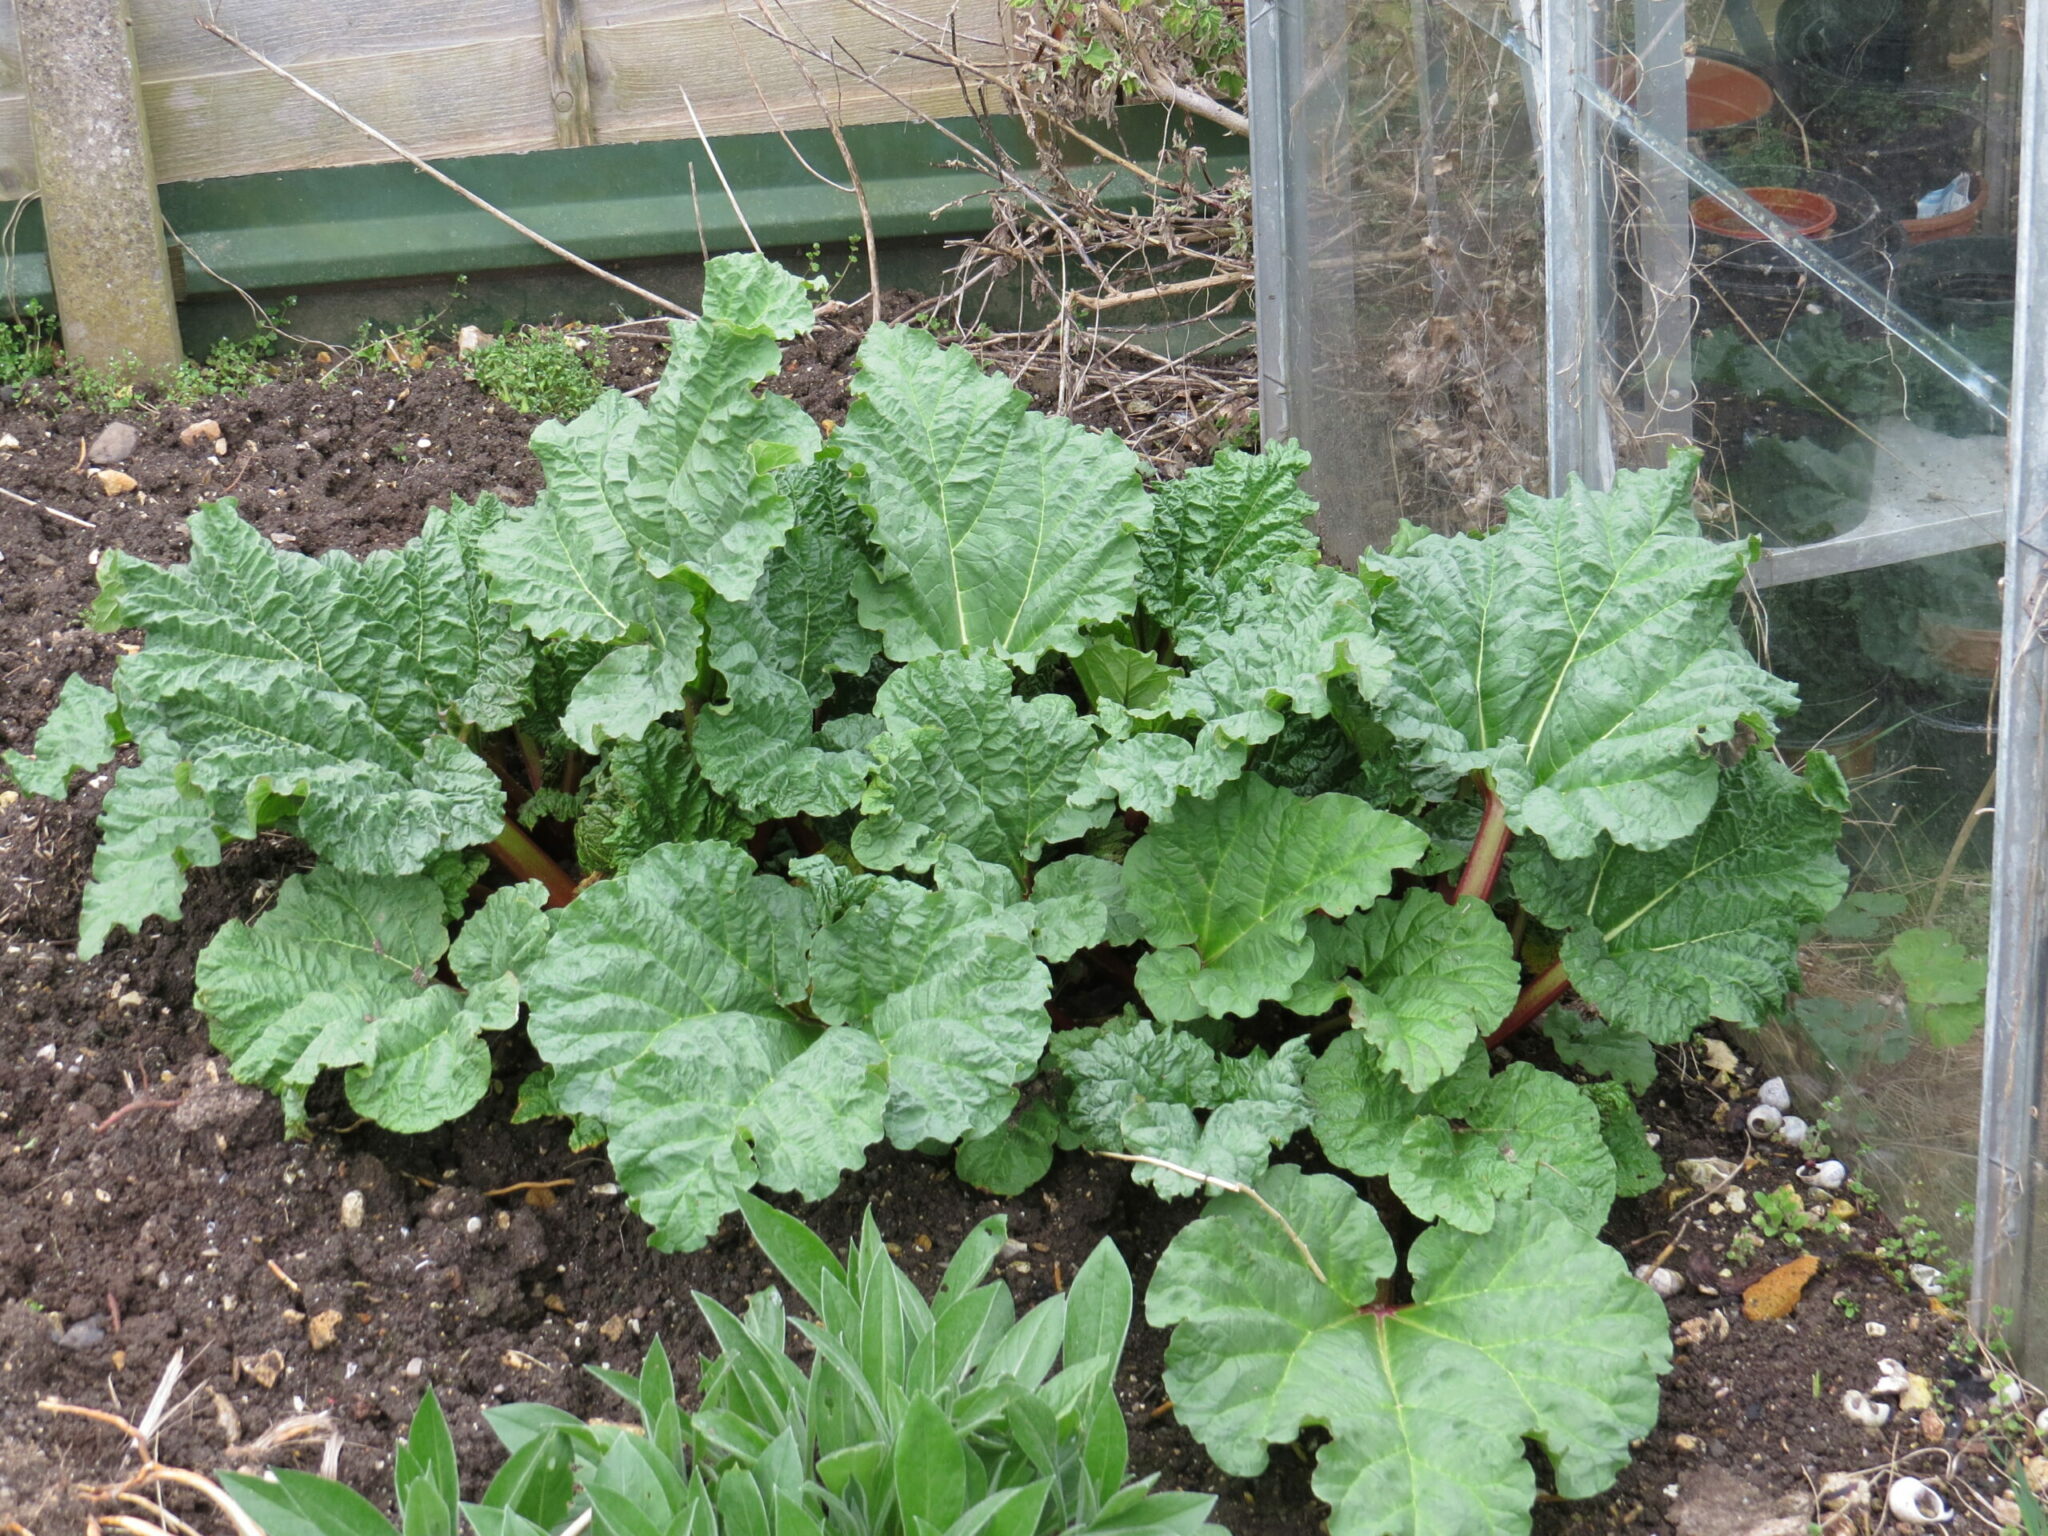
pixel 1012 1157
pixel 340 972
pixel 154 825
pixel 1137 1087
pixel 953 993
pixel 1152 772
pixel 1530 1331
pixel 1425 979
pixel 802 620
pixel 646 793
pixel 1708 927
pixel 963 762
pixel 314 692
pixel 1236 877
pixel 1470 1146
pixel 758 749
pixel 1219 527
pixel 1275 650
pixel 1077 903
pixel 1001 529
pixel 663 1005
pixel 78 737
pixel 1581 657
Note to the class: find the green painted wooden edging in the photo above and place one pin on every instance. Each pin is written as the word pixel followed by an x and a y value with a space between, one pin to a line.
pixel 611 202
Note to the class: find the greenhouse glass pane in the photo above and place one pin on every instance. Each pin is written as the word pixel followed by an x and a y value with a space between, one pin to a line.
pixel 1842 369
pixel 1401 253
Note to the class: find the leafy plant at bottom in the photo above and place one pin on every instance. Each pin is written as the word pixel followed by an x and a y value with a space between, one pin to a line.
pixel 1532 1329
pixel 953 1417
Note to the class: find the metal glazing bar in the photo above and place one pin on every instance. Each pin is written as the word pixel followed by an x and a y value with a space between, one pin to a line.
pixel 1574 250
pixel 1271 71
pixel 2009 1164
pixel 1663 251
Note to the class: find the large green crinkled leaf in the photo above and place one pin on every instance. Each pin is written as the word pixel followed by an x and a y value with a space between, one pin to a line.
pixel 1278 645
pixel 646 793
pixel 1707 928
pixel 1533 1330
pixel 1001 529
pixel 1581 656
pixel 662 1005
pixel 964 762
pixel 758 749
pixel 322 691
pixel 951 988
pixel 1221 526
pixel 1471 1146
pixel 1236 877
pixel 475 664
pixel 78 737
pixel 341 973
pixel 1078 902
pixel 725 1102
pixel 154 825
pixel 1152 771
pixel 649 510
pixel 569 567
pixel 1136 1087
pixel 801 620
pixel 1425 979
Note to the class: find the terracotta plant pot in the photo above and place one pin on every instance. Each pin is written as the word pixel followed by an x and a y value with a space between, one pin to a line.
pixel 1943 226
pixel 1808 213
pixel 1718 94
pixel 1961 651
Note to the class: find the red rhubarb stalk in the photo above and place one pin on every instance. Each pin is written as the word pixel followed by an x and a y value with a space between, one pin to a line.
pixel 1538 995
pixel 1482 865
pixel 524 859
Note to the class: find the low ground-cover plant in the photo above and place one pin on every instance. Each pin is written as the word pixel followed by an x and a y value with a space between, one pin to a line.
pixel 825 781
pixel 912 1418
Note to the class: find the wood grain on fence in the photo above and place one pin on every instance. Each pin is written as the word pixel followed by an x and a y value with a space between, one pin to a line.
pixel 491 77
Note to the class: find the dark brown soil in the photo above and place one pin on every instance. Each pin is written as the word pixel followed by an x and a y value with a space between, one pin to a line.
pixel 148 1205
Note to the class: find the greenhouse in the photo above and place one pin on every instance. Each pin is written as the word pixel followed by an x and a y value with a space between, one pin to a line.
pixel 1023 768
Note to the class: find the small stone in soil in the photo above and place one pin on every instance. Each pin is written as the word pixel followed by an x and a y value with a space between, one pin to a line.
pixel 116 440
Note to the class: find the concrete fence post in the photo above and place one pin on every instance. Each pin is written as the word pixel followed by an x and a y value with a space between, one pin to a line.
pixel 108 264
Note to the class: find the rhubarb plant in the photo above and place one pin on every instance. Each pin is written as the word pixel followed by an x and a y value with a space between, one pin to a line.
pixel 949 782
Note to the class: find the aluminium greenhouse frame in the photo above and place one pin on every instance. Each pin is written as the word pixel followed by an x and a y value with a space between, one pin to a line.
pixel 1577 118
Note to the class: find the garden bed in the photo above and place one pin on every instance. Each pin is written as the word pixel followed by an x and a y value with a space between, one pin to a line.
pixel 150 1205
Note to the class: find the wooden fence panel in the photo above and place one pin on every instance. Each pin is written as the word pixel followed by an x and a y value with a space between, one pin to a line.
pixel 475 78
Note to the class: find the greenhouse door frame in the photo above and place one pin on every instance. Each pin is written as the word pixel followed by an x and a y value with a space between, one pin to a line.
pixel 1582 118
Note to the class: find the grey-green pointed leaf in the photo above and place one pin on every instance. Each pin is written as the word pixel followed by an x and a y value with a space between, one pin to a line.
pixel 340 973
pixel 1425 979
pixel 758 750
pixel 1582 657
pixel 1220 527
pixel 964 762
pixel 1001 529
pixel 1235 879
pixel 1531 1331
pixel 951 989
pixel 79 736
pixel 1707 928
